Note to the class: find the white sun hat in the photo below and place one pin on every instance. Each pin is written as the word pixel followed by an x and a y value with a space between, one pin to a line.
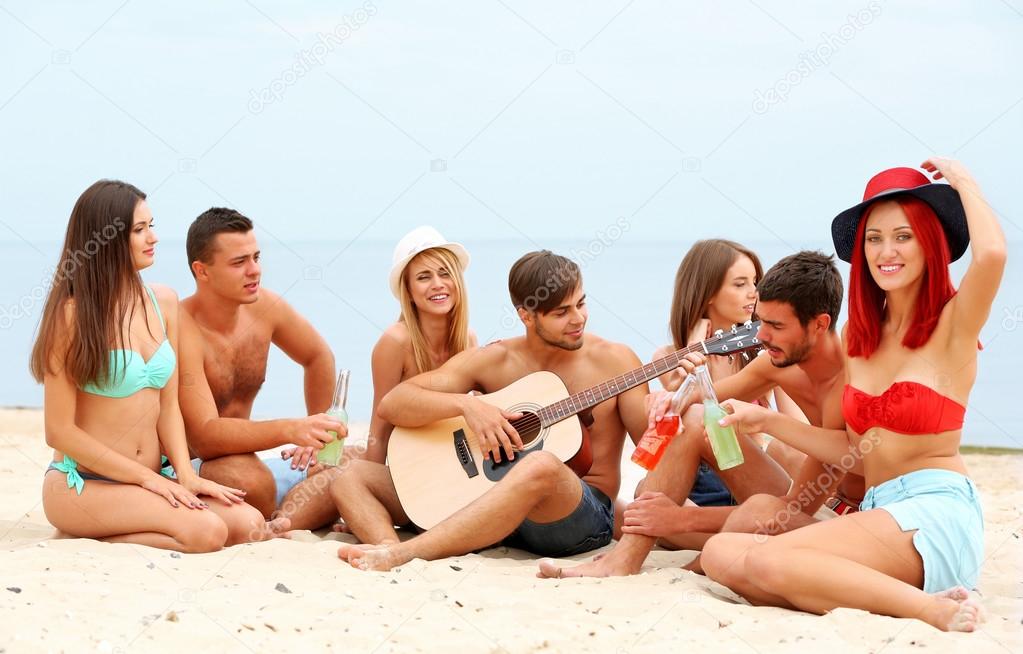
pixel 420 239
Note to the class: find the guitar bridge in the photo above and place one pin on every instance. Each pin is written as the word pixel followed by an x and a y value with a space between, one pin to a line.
pixel 464 455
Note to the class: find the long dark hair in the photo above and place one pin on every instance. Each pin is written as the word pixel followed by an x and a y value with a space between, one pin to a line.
pixel 96 275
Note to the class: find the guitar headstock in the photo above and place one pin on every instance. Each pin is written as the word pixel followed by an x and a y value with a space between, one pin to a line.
pixel 739 338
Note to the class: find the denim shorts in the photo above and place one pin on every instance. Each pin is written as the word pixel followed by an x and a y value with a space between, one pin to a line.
pixel 285 478
pixel 588 527
pixel 709 490
pixel 944 509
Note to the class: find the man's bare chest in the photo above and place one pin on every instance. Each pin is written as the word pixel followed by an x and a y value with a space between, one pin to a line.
pixel 235 366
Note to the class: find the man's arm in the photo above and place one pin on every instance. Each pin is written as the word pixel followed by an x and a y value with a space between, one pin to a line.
pixel 815 480
pixel 632 403
pixel 750 383
pixel 442 393
pixel 437 394
pixel 209 435
pixel 303 344
pixel 747 385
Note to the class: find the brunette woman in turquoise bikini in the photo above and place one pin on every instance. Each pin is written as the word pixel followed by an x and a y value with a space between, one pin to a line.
pixel 105 354
pixel 915 548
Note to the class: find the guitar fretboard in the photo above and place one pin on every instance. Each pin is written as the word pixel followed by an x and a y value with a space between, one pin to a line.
pixel 554 413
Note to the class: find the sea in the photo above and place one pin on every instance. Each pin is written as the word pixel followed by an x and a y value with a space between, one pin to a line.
pixel 340 286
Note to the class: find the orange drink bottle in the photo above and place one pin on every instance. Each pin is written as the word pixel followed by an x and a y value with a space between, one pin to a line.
pixel 655 441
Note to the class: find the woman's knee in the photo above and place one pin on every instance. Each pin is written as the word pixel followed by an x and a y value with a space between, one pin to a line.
pixel 245 524
pixel 769 565
pixel 712 557
pixel 203 531
pixel 723 556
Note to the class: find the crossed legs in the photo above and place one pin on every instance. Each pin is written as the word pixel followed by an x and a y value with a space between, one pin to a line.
pixel 674 477
pixel 540 488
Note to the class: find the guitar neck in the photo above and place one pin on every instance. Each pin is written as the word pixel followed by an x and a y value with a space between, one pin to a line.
pixel 591 397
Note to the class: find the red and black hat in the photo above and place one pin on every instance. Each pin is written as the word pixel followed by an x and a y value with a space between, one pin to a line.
pixel 942 198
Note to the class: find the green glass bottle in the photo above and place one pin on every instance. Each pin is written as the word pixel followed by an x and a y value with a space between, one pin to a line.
pixel 331 453
pixel 722 439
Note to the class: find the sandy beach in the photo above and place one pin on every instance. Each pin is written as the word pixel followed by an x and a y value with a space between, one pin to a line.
pixel 86 596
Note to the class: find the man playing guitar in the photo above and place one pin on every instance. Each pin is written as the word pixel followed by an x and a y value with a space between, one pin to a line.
pixel 540 504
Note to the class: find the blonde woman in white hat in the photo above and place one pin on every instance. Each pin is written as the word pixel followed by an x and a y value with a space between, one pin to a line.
pixel 427 279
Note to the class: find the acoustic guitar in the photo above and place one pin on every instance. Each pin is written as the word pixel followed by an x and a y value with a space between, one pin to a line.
pixel 439 468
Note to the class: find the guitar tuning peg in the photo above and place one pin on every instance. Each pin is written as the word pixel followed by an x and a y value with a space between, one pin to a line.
pixel 735 329
pixel 745 357
pixel 719 332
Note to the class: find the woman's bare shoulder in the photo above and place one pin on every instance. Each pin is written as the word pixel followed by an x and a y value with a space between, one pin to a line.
pixel 396 337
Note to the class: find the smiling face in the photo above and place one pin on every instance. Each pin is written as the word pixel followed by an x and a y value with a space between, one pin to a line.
pixel 233 271
pixel 735 300
pixel 562 326
pixel 142 239
pixel 892 251
pixel 430 285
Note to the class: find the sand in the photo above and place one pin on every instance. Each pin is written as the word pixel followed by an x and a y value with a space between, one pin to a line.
pixel 85 596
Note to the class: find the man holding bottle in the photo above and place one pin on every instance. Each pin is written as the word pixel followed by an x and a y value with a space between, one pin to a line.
pixel 227 327
pixel 800 298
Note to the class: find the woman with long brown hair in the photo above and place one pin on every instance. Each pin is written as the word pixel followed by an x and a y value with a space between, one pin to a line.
pixel 105 355
pixel 427 280
pixel 915 548
pixel 715 288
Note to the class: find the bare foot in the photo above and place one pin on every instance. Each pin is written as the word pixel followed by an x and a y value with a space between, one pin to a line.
pixel 371 557
pixel 604 565
pixel 954 610
pixel 278 528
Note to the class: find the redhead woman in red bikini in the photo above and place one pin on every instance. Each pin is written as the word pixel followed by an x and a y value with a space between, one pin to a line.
pixel 915 548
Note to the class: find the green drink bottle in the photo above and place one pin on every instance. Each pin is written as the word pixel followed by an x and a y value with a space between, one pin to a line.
pixel 331 453
pixel 722 439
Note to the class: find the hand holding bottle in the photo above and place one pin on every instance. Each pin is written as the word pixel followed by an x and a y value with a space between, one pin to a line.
pixel 331 453
pixel 655 440
pixel 723 440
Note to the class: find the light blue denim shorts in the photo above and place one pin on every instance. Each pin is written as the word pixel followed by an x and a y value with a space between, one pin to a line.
pixel 944 509
pixel 285 478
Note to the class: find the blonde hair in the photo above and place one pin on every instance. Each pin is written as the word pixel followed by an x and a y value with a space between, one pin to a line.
pixel 458 317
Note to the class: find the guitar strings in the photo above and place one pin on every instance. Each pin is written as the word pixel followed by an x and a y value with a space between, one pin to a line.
pixel 533 420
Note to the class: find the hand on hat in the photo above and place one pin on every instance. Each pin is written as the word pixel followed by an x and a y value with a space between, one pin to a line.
pixel 952 170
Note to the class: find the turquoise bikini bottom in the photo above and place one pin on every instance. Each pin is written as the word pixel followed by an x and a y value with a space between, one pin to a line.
pixel 76 478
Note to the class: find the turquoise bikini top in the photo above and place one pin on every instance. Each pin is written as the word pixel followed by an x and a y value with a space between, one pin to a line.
pixel 130 373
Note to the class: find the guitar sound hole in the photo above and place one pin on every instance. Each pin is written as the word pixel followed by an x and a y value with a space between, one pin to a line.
pixel 528 427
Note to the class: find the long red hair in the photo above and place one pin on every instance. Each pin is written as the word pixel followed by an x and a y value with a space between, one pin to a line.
pixel 867 300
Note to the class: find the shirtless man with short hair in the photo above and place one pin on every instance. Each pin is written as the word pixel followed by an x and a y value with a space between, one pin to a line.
pixel 541 504
pixel 227 328
pixel 800 298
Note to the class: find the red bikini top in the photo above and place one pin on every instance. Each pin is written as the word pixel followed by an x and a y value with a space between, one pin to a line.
pixel 906 407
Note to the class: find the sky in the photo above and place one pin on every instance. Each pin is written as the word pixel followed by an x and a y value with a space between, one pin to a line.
pixel 501 118
pixel 609 129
